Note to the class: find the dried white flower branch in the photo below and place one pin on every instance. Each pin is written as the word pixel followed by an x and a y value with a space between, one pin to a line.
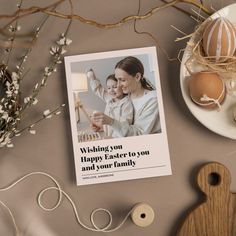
pixel 47 114
pixel 12 107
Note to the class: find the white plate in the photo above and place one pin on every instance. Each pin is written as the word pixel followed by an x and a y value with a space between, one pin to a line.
pixel 220 122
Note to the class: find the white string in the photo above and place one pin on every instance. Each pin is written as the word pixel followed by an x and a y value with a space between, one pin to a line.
pixel 61 192
pixel 12 217
pixel 210 101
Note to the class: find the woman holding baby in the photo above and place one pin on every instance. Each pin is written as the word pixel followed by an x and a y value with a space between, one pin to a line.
pixel 129 73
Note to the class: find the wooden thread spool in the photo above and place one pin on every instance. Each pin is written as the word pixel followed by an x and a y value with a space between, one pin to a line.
pixel 142 215
pixel 216 216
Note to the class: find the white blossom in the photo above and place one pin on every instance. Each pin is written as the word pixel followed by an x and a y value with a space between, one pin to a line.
pixel 10 145
pixel 14 29
pixel 43 81
pixel 10 110
pixel 32 131
pixel 9 93
pixel 17 134
pixel 63 51
pixel 26 100
pixel 64 41
pixel 35 101
pixel 15 84
pixel 68 41
pixel 61 41
pixel 8 84
pixel 14 76
pixel 48 71
pixel 1 109
pixel 4 115
pixel 54 50
pixel 5 139
pixel 36 86
pixel 11 28
pixel 47 114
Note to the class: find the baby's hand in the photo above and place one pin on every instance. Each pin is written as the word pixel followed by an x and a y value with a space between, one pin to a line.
pixel 99 118
pixel 90 74
pixel 95 122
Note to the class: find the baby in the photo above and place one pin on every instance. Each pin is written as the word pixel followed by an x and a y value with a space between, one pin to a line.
pixel 118 105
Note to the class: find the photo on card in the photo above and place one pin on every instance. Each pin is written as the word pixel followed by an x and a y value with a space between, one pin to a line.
pixel 115 100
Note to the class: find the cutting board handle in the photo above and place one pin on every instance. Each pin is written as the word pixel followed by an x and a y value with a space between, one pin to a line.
pixel 214 179
pixel 216 215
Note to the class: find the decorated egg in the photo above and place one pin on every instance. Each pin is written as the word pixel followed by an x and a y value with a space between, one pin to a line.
pixel 219 39
pixel 207 89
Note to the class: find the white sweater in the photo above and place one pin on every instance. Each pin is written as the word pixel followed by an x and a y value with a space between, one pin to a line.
pixel 146 117
pixel 121 110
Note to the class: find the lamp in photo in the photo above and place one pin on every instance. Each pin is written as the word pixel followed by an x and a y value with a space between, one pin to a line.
pixel 79 85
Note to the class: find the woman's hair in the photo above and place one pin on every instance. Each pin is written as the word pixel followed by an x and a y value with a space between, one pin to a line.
pixel 111 77
pixel 132 66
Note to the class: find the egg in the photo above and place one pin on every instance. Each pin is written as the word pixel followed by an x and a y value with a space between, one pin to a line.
pixel 219 39
pixel 207 89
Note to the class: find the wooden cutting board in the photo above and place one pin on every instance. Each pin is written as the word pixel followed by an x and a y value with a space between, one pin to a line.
pixel 216 216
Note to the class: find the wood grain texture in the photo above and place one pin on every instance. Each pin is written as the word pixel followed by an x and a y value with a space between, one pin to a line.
pixel 216 216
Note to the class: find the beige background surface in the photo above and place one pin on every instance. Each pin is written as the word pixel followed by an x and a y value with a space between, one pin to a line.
pixel 50 150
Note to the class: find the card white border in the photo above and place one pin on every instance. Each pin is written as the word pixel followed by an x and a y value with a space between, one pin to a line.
pixel 151 51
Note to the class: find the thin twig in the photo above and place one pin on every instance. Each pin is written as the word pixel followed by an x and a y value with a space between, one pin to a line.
pixel 13 37
pixel 110 25
pixel 7 44
pixel 33 40
pixel 40 119
pixel 198 14
pixel 185 37
pixel 180 31
pixel 178 8
pixel 11 125
pixel 45 77
pixel 27 11
pixel 150 35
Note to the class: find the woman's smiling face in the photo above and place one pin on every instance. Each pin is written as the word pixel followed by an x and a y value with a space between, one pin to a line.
pixel 126 81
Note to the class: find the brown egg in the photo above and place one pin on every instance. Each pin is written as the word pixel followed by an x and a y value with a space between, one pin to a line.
pixel 207 89
pixel 219 39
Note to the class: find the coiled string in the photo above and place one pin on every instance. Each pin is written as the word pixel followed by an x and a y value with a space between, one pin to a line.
pixel 62 193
